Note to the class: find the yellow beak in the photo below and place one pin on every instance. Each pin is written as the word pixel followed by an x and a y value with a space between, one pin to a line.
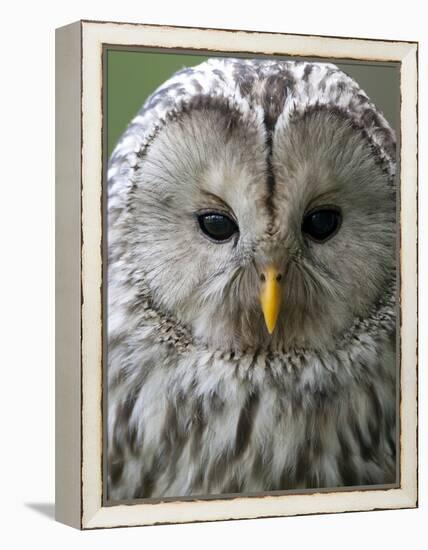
pixel 270 296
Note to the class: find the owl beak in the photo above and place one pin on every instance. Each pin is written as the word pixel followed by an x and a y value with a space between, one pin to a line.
pixel 270 296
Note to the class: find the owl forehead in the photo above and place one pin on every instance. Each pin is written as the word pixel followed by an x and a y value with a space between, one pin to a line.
pixel 212 157
pixel 266 166
pixel 223 130
pixel 267 92
pixel 267 83
pixel 227 129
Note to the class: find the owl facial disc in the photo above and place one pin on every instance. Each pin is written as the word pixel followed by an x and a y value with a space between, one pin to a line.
pixel 270 296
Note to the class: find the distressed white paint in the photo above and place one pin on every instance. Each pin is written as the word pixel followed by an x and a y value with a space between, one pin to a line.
pixel 94 515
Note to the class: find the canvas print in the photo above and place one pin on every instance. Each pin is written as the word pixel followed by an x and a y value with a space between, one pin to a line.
pixel 250 297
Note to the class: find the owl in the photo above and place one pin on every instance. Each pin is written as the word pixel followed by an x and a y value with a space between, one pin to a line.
pixel 251 285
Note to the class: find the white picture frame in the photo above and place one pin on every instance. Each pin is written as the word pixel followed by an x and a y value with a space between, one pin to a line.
pixel 79 274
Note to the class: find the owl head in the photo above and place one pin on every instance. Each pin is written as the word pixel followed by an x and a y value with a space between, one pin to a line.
pixel 254 201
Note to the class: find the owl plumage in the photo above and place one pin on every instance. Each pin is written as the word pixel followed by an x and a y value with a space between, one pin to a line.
pixel 209 392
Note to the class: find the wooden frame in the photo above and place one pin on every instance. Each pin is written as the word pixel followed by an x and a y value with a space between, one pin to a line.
pixel 79 268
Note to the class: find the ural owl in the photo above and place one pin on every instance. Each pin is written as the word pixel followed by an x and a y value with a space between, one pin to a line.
pixel 251 285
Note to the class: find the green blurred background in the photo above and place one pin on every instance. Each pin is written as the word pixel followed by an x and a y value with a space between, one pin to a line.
pixel 132 76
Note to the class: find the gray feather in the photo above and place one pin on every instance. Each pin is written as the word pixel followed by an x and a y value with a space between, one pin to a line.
pixel 201 400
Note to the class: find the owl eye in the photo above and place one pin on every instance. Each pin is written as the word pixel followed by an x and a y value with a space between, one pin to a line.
pixel 321 224
pixel 218 227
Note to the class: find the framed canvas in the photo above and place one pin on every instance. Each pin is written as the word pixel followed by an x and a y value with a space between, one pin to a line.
pixel 236 274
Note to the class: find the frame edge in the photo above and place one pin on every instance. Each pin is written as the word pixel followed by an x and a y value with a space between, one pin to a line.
pixel 97 516
pixel 68 141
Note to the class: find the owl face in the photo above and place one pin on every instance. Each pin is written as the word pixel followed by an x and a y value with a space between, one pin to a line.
pixel 258 231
